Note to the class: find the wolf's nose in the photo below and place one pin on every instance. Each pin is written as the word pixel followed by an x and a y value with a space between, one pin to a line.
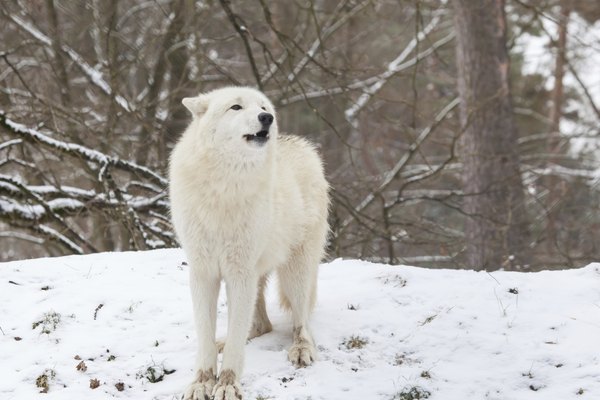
pixel 265 119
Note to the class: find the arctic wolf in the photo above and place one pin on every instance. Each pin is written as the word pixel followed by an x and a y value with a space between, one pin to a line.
pixel 245 202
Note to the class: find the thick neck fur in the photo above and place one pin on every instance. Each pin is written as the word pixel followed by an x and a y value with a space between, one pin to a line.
pixel 222 173
pixel 235 177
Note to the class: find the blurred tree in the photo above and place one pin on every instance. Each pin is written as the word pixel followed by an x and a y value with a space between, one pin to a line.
pixel 496 230
pixel 554 142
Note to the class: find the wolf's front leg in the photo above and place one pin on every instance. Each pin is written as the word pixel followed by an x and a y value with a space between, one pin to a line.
pixel 241 296
pixel 205 293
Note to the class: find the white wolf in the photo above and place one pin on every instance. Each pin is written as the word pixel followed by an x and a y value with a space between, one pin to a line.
pixel 246 201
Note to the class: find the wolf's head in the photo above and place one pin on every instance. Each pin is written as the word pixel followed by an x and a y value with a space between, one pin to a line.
pixel 237 119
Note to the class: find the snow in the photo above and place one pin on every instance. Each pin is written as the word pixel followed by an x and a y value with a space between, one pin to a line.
pixel 25 211
pixel 65 146
pixel 96 77
pixel 9 143
pixel 456 334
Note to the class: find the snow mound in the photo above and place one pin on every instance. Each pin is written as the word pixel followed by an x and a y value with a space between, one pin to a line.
pixel 123 321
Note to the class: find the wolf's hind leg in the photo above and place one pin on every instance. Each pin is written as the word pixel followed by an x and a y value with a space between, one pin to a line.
pixel 261 323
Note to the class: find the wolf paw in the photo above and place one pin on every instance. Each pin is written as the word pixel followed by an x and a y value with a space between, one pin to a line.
pixel 202 387
pixel 227 388
pixel 302 354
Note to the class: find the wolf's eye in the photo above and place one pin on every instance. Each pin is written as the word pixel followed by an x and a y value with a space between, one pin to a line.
pixel 236 107
pixel 264 108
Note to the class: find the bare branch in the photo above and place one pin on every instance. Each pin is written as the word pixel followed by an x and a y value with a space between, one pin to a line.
pixel 242 30
pixel 93 75
pixel 391 175
pixel 391 70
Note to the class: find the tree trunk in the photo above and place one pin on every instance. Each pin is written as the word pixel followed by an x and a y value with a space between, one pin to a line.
pixel 61 69
pixel 496 230
pixel 149 136
pixel 554 143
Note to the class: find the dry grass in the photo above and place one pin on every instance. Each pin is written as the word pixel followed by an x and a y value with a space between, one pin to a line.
pixel 412 393
pixel 355 342
pixel 49 322
pixel 43 381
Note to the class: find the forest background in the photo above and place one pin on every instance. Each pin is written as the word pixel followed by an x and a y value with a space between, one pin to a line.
pixel 455 134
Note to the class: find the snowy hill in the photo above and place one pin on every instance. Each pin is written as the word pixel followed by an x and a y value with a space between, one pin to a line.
pixel 383 332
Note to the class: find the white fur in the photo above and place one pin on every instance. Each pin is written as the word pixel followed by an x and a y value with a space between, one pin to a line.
pixel 242 210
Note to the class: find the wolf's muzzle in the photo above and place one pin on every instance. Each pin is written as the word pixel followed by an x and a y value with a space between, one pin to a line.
pixel 259 137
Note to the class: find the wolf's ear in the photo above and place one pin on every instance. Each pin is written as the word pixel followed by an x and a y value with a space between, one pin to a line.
pixel 196 105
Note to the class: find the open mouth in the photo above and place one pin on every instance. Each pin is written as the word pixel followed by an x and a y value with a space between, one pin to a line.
pixel 259 137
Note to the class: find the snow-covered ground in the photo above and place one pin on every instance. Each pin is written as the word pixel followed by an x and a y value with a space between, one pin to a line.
pixel 383 332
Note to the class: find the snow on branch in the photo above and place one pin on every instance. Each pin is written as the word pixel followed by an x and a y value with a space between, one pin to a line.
pixel 54 235
pixel 29 212
pixel 131 195
pixel 381 77
pixel 86 153
pixel 9 143
pixel 66 201
pixel 332 25
pixel 392 68
pixel 565 172
pixel 22 236
pixel 93 75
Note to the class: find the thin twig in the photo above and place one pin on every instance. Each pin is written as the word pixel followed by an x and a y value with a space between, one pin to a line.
pixel 243 31
pixel 391 175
